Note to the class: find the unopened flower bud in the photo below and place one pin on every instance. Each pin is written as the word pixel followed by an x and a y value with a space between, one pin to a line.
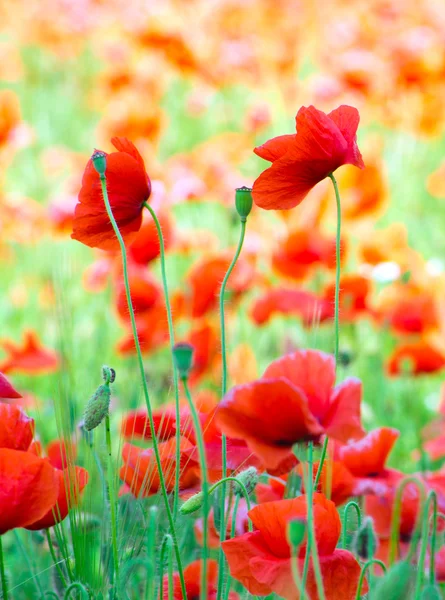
pixel 243 201
pixel 394 584
pixel 99 159
pixel 249 478
pixel 364 543
pixel 183 357
pixel 430 592
pixel 108 374
pixel 192 504
pixel 97 407
pixel 296 530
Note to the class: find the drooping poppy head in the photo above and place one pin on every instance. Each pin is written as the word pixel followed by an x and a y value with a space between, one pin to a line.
pixel 128 188
pixel 7 391
pixel 260 560
pixel 299 161
pixel 71 483
pixel 29 487
pixel 16 428
pixel 31 357
pixel 309 307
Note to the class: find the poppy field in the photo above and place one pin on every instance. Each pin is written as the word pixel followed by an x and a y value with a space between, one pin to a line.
pixel 222 308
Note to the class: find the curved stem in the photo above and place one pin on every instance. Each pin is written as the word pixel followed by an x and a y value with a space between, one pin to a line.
pixel 369 563
pixel 2 573
pixel 349 505
pixel 77 586
pixel 423 548
pixel 232 535
pixel 397 511
pixel 171 334
pixel 54 557
pixel 112 499
pixel 222 533
pixel 205 486
pixel 144 382
pixel 222 482
pixel 432 578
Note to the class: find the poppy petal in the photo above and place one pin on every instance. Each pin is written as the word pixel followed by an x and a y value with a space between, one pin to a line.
pixel 275 148
pixel 343 421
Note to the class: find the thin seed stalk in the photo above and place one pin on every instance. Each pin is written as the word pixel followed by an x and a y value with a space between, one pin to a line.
pixel 3 573
pixel 205 486
pixel 54 557
pixel 112 498
pixel 312 547
pixel 171 335
pixel 144 382
pixel 222 532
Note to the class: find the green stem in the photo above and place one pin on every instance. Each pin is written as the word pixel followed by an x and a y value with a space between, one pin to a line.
pixel 232 535
pixel 144 383
pixel 296 571
pixel 167 543
pixel 77 586
pixel 54 557
pixel 222 482
pixel 349 505
pixel 2 573
pixel 397 511
pixel 311 529
pixel 205 486
pixel 35 578
pixel 112 499
pixel 433 538
pixel 423 548
pixel 171 334
pixel 222 532
pixel 369 563
pixel 336 314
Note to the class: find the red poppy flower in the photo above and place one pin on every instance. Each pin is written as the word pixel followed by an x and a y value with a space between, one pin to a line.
pixel 30 357
pixel 136 424
pixel 299 161
pixel 366 459
pixel 60 453
pixel 204 337
pixel 29 487
pixel 71 482
pixel 272 491
pixel 128 188
pixel 144 290
pixel 415 358
pixel 145 246
pixel 192 578
pixel 354 294
pixel 334 477
pixel 7 391
pixel 408 308
pixel 16 428
pixel 152 330
pixel 294 401
pixel 260 560
pixel 306 305
pixel 139 470
pixel 302 249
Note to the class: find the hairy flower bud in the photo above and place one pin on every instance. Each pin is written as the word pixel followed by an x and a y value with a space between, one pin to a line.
pixel 97 408
pixel 364 543
pixel 249 478
pixel 99 159
pixel 243 201
pixel 192 504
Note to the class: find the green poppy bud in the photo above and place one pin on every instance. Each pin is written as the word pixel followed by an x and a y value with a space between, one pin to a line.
pixel 192 504
pixel 243 202
pixel 249 478
pixel 296 530
pixel 430 592
pixel 183 357
pixel 97 407
pixel 394 585
pixel 364 543
pixel 99 159
pixel 108 374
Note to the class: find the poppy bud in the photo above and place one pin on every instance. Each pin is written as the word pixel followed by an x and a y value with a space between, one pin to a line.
pixel 192 504
pixel 394 584
pixel 97 407
pixel 249 478
pixel 99 159
pixel 243 201
pixel 430 592
pixel 296 530
pixel 364 543
pixel 108 374
pixel 183 357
